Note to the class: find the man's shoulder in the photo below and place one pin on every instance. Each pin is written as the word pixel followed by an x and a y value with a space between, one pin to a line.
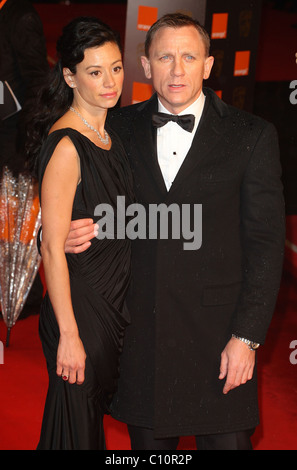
pixel 237 117
pixel 132 110
pixel 125 111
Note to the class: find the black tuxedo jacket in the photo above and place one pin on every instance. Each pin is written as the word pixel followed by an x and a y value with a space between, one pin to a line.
pixel 185 304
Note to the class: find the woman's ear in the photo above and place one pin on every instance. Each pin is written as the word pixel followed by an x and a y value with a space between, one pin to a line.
pixel 69 78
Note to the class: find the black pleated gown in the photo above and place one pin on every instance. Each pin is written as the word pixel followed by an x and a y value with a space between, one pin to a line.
pixel 99 278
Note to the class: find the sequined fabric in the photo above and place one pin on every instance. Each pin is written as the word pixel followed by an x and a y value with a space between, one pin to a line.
pixel 20 219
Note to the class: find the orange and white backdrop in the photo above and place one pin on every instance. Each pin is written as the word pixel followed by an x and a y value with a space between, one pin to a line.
pixel 233 26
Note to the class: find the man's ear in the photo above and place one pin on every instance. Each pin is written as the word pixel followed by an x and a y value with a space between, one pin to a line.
pixel 69 77
pixel 208 66
pixel 146 66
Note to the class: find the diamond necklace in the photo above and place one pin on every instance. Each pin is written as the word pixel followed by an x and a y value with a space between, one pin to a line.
pixel 104 141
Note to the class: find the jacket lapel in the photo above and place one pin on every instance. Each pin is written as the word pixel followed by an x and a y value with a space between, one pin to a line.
pixel 146 140
pixel 207 137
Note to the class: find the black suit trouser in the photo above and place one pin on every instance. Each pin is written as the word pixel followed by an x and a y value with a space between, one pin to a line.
pixel 143 439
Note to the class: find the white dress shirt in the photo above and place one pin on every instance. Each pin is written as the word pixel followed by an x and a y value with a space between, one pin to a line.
pixel 173 142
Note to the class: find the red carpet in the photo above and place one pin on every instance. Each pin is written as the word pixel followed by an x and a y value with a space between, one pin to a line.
pixel 23 387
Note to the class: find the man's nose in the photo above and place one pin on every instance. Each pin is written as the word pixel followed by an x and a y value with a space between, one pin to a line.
pixel 177 67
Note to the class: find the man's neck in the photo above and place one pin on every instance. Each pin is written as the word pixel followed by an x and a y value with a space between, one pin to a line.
pixel 193 108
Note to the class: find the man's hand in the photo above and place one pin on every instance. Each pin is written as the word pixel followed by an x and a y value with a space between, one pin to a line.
pixel 237 364
pixel 80 234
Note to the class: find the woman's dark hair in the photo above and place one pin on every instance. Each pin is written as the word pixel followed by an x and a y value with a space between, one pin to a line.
pixel 56 96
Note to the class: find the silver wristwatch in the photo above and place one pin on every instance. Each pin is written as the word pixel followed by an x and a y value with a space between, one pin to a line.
pixel 253 346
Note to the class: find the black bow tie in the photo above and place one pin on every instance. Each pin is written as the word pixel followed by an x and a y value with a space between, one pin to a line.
pixel 186 121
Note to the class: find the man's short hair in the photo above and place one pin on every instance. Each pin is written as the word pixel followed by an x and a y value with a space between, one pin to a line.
pixel 176 20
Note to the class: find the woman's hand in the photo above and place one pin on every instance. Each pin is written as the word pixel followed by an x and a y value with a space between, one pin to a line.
pixel 71 358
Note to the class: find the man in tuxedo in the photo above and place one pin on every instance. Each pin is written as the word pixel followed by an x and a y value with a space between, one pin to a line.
pixel 198 316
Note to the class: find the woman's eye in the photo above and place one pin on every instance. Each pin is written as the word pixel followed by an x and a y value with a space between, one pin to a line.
pixel 95 73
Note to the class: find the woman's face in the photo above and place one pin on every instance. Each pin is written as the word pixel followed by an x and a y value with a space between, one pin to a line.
pixel 98 80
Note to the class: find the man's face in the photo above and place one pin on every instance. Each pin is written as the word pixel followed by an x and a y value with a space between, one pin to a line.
pixel 177 65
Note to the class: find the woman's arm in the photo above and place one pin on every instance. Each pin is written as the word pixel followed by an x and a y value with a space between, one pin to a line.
pixel 57 194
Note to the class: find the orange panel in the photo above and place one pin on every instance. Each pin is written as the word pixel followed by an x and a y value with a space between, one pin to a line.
pixel 146 17
pixel 242 63
pixel 141 92
pixel 219 25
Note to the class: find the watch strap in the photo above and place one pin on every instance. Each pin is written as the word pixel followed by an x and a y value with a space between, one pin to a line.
pixel 251 344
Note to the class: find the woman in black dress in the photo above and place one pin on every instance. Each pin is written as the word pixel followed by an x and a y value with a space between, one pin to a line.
pixel 81 163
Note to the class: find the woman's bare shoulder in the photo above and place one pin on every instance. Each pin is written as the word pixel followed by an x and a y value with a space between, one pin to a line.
pixel 66 121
